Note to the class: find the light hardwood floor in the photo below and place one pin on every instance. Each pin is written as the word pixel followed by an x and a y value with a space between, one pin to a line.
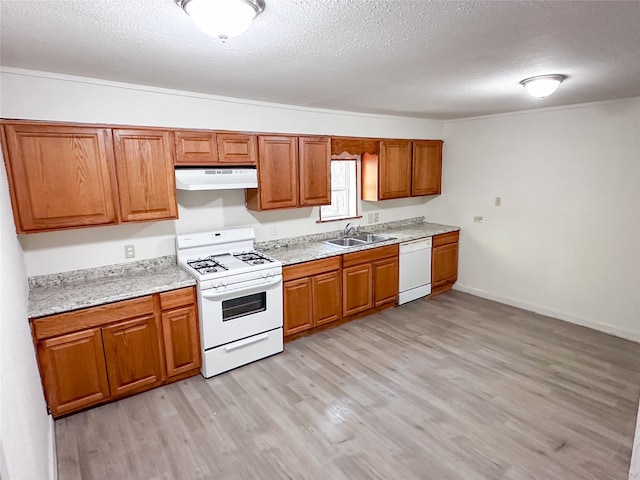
pixel 452 387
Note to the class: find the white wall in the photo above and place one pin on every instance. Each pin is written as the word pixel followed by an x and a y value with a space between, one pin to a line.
pixel 26 431
pixel 566 240
pixel 45 96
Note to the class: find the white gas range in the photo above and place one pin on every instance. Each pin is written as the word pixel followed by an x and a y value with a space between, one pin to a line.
pixel 239 297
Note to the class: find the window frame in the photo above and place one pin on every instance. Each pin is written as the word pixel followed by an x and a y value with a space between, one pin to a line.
pixel 358 195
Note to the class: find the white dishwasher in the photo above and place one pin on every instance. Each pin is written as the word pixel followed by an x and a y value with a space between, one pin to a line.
pixel 415 270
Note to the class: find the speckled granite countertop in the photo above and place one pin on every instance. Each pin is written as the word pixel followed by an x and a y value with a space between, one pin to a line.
pixel 312 247
pixel 63 292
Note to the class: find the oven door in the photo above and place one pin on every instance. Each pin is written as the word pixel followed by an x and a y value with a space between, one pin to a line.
pixel 240 311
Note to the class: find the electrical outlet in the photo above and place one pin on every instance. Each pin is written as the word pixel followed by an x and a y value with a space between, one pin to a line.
pixel 129 251
pixel 370 218
pixel 376 218
pixel 498 201
pixel 477 219
pixel 274 232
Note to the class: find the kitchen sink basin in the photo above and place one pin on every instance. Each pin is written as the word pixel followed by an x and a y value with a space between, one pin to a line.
pixel 358 240
pixel 346 242
pixel 372 237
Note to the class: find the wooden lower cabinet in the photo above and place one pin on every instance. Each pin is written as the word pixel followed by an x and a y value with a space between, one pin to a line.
pixel 357 282
pixel 298 306
pixel 312 295
pixel 370 279
pixel 180 332
pixel 133 355
pixel 94 355
pixel 327 296
pixel 73 370
pixel 181 340
pixel 444 262
pixel 385 279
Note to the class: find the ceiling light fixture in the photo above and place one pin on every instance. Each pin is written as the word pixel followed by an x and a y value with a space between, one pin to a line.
pixel 223 19
pixel 542 85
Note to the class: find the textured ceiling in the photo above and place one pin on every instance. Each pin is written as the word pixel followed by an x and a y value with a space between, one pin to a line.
pixel 430 59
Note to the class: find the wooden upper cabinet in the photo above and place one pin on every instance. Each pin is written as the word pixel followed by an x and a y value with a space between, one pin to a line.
pixel 60 176
pixel 395 169
pixel 146 181
pixel 196 148
pixel 388 174
pixel 354 145
pixel 427 167
pixel 237 149
pixel 314 161
pixel 277 174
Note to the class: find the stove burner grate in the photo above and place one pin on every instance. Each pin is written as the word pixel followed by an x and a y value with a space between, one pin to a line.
pixel 207 265
pixel 252 258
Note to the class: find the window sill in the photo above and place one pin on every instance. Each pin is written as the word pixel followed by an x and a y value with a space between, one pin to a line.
pixel 338 219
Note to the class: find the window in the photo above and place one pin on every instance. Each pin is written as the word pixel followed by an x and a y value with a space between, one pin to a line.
pixel 344 191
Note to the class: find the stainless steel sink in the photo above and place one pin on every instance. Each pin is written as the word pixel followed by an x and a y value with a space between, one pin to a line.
pixel 346 242
pixel 372 237
pixel 358 240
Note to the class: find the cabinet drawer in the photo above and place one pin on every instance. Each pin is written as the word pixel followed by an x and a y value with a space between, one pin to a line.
pixel 445 238
pixel 196 148
pixel 369 255
pixel 86 318
pixel 177 298
pixel 315 267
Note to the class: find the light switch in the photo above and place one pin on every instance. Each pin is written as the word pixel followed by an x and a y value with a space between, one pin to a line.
pixel 477 219
pixel 498 201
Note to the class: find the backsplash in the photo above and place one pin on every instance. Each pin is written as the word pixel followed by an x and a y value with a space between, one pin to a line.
pixel 318 237
pixel 100 272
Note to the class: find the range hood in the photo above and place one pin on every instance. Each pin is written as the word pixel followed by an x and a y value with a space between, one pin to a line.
pixel 216 178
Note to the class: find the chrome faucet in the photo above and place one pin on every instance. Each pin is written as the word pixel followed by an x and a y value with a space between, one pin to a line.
pixel 353 229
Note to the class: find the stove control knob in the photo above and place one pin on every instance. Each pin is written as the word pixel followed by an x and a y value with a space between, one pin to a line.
pixel 223 282
pixel 215 284
pixel 263 274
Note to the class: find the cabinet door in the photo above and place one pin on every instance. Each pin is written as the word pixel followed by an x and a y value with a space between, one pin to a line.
pixel 133 355
pixel 237 149
pixel 60 176
pixel 73 370
pixel 196 148
pixel 181 341
pixel 444 265
pixel 427 167
pixel 327 297
pixel 314 161
pixel 395 169
pixel 277 172
pixel 357 288
pixel 385 281
pixel 298 314
pixel 146 180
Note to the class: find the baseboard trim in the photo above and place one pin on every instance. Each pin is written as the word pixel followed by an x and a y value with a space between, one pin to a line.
pixel 54 451
pixel 601 327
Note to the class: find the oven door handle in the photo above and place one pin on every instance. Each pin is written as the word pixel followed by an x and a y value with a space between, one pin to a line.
pixel 231 293
pixel 246 343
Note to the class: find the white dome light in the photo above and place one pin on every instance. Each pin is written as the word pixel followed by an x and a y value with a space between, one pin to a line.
pixel 222 18
pixel 543 85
